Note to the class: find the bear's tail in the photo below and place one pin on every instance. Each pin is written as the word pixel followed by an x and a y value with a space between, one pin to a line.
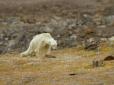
pixel 27 52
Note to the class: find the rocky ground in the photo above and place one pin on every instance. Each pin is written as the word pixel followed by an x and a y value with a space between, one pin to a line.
pixel 70 22
pixel 73 24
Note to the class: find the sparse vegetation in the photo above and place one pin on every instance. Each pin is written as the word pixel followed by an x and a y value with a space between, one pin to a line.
pixel 78 26
pixel 18 68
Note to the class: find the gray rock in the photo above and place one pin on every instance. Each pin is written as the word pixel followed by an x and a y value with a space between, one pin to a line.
pixel 11 44
pixel 91 44
pixel 109 20
pixel 47 29
pixel 67 31
pixel 73 37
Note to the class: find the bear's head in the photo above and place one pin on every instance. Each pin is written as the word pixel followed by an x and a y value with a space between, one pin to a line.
pixel 52 43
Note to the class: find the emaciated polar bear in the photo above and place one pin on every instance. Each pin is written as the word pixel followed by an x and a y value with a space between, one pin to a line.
pixel 40 45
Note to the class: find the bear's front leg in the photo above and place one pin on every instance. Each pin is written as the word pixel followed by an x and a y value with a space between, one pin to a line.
pixel 48 50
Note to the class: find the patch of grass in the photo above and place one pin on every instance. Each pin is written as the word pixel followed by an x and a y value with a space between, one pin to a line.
pixel 109 64
pixel 5 68
pixel 86 53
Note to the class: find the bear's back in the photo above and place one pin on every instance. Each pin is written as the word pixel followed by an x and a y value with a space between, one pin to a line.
pixel 47 35
pixel 41 37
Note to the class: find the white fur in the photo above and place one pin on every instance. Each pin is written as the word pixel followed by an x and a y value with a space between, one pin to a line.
pixel 111 40
pixel 40 45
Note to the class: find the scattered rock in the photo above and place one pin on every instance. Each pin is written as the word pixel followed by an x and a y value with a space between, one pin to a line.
pixel 50 56
pixel 11 44
pixel 72 74
pixel 109 20
pixel 68 31
pixel 91 44
pixel 109 58
pixel 97 63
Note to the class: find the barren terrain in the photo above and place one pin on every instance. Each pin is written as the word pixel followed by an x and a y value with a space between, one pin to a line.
pixel 71 22
pixel 69 67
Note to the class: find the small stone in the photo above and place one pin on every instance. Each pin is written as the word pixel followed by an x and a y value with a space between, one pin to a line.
pixel 6 38
pixel 97 63
pixel 109 58
pixel 72 74
pixel 50 56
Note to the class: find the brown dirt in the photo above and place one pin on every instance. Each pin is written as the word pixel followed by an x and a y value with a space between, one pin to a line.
pixel 69 67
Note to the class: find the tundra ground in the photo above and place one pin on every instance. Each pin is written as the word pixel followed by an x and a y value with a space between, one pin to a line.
pixel 70 66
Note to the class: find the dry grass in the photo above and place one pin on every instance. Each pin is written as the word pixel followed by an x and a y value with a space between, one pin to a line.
pixel 16 70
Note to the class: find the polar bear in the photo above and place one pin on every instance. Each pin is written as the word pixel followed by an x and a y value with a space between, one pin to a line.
pixel 40 45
